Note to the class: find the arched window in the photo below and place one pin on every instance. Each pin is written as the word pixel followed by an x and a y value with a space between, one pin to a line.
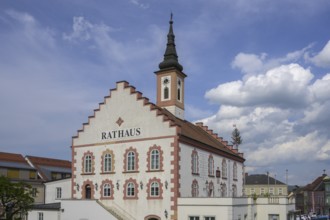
pixel 235 171
pixel 130 191
pixel 131 161
pixel 88 163
pixel 194 189
pixel 223 190
pixel 211 165
pixel 211 189
pixel 154 189
pixel 107 163
pixel 194 162
pixel 179 89
pixel 155 162
pixel 224 169
pixel 106 190
pixel 166 92
pixel 234 190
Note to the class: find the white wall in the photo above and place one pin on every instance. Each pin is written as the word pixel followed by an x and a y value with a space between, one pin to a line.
pixel 187 177
pixel 84 210
pixel 48 215
pixel 50 190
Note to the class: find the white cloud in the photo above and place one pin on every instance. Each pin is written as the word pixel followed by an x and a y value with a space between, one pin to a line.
pixel 281 112
pixel 322 59
pixel 284 86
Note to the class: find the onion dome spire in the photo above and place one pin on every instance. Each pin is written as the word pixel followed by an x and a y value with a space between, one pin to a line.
pixel 170 56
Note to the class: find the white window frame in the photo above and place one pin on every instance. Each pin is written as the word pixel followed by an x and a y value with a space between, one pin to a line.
pixel 58 193
pixel 154 189
pixel 88 163
pixel 107 190
pixel 130 191
pixel 40 216
pixel 107 162
pixel 131 161
pixel 155 159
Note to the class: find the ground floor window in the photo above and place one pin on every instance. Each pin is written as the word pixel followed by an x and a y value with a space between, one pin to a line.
pixel 209 218
pixel 273 217
pixel 40 216
pixel 193 217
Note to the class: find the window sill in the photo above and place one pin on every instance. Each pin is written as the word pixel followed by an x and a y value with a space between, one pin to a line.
pixel 103 173
pixel 151 171
pixel 136 171
pixel 86 174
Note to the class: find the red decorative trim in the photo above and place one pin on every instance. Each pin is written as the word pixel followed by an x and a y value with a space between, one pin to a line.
pixel 83 163
pixel 83 189
pixel 136 189
pixel 112 191
pixel 194 182
pixel 194 152
pixel 112 161
pixel 136 165
pixel 149 189
pixel 174 184
pixel 161 158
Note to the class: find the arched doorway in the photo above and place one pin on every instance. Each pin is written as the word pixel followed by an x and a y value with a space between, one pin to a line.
pixel 88 192
pixel 152 217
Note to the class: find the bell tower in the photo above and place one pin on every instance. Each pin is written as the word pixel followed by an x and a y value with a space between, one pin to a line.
pixel 170 79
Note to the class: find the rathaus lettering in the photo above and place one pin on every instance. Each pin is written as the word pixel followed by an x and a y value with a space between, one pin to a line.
pixel 121 133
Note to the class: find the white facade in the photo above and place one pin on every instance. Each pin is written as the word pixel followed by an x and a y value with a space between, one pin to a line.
pixel 57 190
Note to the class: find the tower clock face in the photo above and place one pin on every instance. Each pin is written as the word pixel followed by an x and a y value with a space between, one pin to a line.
pixel 166 81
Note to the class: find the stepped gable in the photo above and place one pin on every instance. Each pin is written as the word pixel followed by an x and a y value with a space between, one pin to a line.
pixel 203 136
pixel 139 96
pixel 220 139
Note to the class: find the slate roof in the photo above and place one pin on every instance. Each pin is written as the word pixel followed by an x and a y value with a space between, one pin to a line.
pixel 201 134
pixel 46 166
pixel 10 160
pixel 261 179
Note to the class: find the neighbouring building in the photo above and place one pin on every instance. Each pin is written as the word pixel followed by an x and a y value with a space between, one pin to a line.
pixel 17 169
pixel 50 168
pixel 314 197
pixel 263 185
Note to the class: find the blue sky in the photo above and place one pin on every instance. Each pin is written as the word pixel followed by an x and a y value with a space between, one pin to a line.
pixel 263 65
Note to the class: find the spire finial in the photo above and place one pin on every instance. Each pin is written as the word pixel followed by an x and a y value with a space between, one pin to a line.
pixel 170 56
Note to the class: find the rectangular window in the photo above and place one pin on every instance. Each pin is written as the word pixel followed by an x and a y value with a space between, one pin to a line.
pixel 271 191
pixel 273 217
pixel 280 191
pixel 209 218
pixel 40 216
pixel 13 173
pixel 34 192
pixel 58 192
pixel 32 175
pixel 54 176
pixel 193 217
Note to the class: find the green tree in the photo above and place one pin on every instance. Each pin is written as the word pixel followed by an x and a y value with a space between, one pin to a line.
pixel 15 198
pixel 236 137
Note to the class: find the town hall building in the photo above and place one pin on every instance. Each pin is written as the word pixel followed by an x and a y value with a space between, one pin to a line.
pixel 137 160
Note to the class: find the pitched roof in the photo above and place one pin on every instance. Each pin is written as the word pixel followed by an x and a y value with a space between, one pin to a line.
pixel 261 179
pixel 10 160
pixel 316 185
pixel 46 166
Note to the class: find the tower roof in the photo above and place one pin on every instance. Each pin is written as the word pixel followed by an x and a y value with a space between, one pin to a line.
pixel 170 56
